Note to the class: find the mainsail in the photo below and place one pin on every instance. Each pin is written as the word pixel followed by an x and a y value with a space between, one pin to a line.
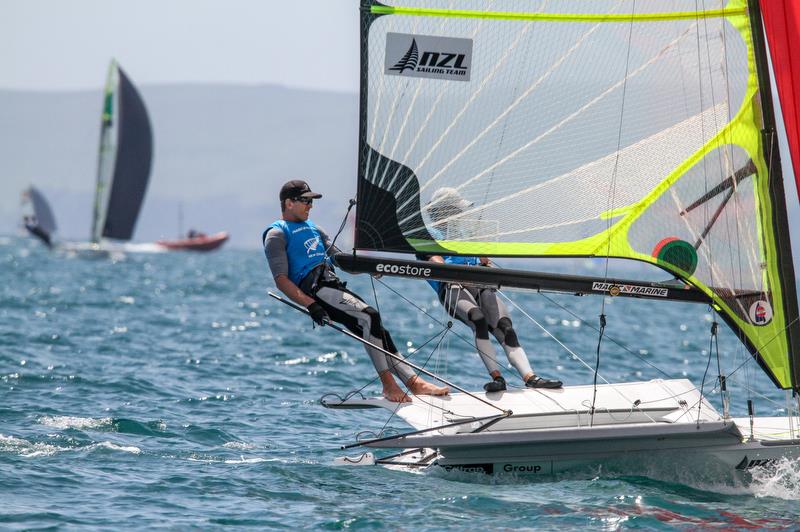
pixel 613 128
pixel 125 155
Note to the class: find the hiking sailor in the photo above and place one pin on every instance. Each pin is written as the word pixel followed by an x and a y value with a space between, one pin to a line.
pixel 299 254
pixel 479 308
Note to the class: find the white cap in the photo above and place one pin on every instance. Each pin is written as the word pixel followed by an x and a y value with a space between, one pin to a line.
pixel 448 199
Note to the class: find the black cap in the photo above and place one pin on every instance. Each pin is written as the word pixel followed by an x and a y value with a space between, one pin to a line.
pixel 297 188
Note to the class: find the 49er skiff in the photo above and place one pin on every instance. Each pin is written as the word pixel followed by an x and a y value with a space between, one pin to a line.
pixel 615 129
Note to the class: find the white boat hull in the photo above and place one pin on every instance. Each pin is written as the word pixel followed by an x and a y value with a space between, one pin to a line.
pixel 660 429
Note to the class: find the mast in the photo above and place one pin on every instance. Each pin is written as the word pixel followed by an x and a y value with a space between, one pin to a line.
pixel 103 153
pixel 366 19
pixel 181 234
pixel 769 139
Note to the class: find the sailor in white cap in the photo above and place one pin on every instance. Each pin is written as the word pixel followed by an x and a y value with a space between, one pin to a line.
pixel 479 308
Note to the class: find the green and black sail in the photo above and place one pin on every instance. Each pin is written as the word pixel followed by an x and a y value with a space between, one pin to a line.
pixel 124 160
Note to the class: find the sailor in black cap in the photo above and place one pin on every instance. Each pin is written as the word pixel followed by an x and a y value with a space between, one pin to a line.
pixel 299 255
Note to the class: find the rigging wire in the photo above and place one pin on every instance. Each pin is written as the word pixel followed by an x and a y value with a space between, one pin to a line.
pixel 351 204
pixel 610 339
pixel 610 205
pixel 544 329
pixel 358 391
pixel 597 367
pixel 442 334
pixel 723 386
pixel 706 249
pixel 705 374
pixel 491 356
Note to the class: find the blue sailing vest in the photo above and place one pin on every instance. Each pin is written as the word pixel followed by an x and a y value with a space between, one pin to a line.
pixel 438 234
pixel 461 261
pixel 304 247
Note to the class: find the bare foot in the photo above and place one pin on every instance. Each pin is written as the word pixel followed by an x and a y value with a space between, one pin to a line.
pixel 396 395
pixel 421 387
pixel 391 390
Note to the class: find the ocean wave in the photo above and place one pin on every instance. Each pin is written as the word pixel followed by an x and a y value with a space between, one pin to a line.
pixel 74 422
pixel 28 449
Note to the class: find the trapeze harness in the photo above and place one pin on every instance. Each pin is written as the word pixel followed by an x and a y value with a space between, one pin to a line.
pixel 312 271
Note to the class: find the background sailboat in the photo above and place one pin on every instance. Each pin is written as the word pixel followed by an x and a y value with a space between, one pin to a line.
pixel 123 166
pixel 41 222
pixel 630 130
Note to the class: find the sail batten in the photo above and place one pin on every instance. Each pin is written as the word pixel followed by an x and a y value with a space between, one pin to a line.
pixel 557 17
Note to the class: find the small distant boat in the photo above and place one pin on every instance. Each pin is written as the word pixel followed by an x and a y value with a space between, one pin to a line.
pixel 195 242
pixel 123 168
pixel 42 223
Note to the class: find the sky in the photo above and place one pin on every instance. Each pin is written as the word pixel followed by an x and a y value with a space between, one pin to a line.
pixel 66 45
pixel 57 45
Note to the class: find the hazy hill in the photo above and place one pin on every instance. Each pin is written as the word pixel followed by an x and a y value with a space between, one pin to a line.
pixel 221 151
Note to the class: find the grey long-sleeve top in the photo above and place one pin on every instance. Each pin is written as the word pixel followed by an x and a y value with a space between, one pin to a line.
pixel 275 249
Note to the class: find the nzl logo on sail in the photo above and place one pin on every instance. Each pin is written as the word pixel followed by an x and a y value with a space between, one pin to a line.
pixel 427 56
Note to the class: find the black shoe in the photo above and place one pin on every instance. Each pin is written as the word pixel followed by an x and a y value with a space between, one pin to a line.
pixel 496 385
pixel 538 382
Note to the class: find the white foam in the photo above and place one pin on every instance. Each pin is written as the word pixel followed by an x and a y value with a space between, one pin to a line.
pixel 239 445
pixel 243 460
pixel 208 459
pixel 781 480
pixel 28 449
pixel 73 422
pixel 295 361
pixel 114 447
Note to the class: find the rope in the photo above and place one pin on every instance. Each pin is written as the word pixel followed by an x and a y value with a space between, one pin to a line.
pixel 350 394
pixel 597 367
pixel 396 408
pixel 491 356
pixel 341 227
pixel 609 338
pixel 610 205
pixel 544 329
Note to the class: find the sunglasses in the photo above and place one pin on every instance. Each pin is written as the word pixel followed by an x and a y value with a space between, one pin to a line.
pixel 307 201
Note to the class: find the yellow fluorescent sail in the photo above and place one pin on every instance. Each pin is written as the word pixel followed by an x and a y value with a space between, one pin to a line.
pixel 569 128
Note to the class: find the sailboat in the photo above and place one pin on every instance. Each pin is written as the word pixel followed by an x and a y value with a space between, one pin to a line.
pixel 40 223
pixel 640 131
pixel 123 166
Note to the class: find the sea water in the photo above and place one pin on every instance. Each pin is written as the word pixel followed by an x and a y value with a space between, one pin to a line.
pixel 168 390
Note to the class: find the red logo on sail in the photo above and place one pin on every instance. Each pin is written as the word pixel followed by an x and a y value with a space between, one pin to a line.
pixel 760 313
